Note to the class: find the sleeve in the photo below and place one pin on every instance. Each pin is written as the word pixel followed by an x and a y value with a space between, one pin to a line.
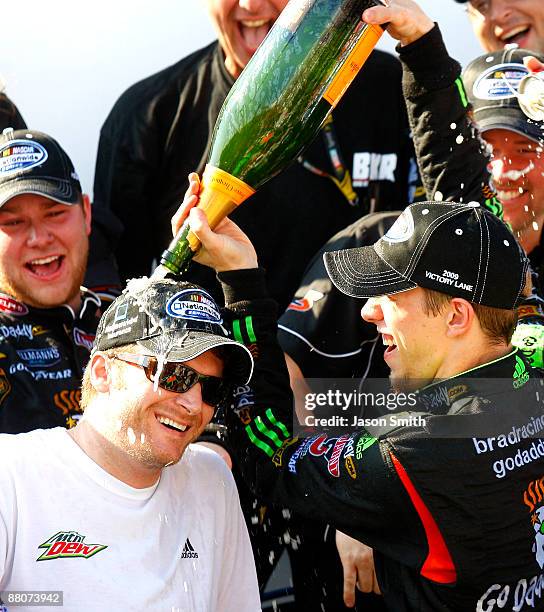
pixel 126 164
pixel 238 589
pixel 347 481
pixel 451 155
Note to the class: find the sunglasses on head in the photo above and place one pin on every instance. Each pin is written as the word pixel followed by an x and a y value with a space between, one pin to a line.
pixel 179 378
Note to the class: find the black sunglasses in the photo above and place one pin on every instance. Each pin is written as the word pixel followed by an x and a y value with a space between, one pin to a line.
pixel 179 378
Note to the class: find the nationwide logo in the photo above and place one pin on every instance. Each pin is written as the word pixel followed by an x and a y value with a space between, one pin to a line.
pixel 68 544
pixel 188 551
pixel 20 155
pixel 8 304
pixel 193 305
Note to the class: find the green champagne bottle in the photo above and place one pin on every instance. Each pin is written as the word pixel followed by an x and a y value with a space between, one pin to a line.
pixel 277 105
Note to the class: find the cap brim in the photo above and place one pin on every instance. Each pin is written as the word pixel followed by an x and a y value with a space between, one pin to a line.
pixel 362 273
pixel 509 119
pixel 59 191
pixel 193 344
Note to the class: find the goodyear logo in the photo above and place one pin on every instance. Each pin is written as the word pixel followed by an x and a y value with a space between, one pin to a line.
pixel 21 155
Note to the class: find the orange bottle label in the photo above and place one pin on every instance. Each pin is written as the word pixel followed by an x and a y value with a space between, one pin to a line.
pixel 354 62
pixel 219 180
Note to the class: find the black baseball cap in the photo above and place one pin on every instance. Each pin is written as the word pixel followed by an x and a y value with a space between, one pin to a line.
pixel 33 162
pixel 491 82
pixel 459 249
pixel 177 321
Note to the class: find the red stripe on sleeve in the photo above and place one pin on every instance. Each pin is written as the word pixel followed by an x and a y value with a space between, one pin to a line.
pixel 438 565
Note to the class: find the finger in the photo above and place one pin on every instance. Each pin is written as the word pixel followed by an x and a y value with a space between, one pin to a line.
pixel 377 15
pixel 533 64
pixel 183 212
pixel 375 585
pixel 201 228
pixel 349 586
pixel 364 581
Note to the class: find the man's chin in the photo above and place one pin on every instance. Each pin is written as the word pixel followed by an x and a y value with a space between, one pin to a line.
pixel 403 384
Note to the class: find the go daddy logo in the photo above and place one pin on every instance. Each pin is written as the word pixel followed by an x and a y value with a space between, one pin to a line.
pixel 67 544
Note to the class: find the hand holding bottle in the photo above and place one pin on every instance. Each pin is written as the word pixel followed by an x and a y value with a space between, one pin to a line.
pixel 224 248
pixel 406 21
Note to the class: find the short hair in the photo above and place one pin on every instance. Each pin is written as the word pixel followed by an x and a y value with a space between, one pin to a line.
pixel 88 392
pixel 498 324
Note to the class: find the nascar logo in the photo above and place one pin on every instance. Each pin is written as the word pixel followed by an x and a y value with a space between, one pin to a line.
pixel 193 305
pixel 20 155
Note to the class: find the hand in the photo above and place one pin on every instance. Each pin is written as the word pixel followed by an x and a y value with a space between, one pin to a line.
pixel 224 248
pixel 358 565
pixel 533 64
pixel 407 21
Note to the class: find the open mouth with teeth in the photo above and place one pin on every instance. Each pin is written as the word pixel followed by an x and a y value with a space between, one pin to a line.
pixel 388 342
pixel 172 425
pixel 254 31
pixel 45 266
pixel 515 35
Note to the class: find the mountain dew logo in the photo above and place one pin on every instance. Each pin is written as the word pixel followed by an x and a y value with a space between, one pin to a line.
pixel 65 544
pixel 520 376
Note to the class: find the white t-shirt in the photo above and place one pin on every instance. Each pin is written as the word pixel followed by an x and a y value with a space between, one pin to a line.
pixel 67 525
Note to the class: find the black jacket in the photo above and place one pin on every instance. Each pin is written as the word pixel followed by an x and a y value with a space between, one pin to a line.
pixel 10 115
pixel 43 353
pixel 454 508
pixel 160 130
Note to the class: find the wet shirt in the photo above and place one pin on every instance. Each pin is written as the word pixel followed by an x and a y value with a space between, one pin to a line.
pixel 43 353
pixel 160 130
pixel 455 520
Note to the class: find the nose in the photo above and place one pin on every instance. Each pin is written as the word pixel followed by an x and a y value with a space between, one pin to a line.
pixel 499 11
pixel 371 312
pixel 253 6
pixel 38 235
pixel 190 402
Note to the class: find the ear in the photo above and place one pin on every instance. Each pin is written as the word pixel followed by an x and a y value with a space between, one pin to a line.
pixel 459 317
pixel 87 213
pixel 100 373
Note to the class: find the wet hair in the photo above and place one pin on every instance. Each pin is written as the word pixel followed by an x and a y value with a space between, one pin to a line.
pixel 498 324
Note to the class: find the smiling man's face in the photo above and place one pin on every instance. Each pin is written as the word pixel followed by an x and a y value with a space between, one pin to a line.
pixel 497 23
pixel 241 27
pixel 43 250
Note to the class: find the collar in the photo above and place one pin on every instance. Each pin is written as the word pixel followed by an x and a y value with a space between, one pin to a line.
pixel 503 375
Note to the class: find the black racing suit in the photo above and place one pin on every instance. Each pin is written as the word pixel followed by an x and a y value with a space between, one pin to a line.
pixel 160 130
pixel 43 353
pixel 453 508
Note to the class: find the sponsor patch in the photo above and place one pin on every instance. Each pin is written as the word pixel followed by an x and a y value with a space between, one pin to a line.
pixel 5 385
pixel 499 82
pixel 402 230
pixel 68 400
pixel 350 468
pixel 277 459
pixel 40 358
pixel 68 544
pixel 8 304
pixel 21 155
pixel 307 302
pixel 194 306
pixel 83 339
pixel 369 167
pixel 331 449
pixel 17 331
